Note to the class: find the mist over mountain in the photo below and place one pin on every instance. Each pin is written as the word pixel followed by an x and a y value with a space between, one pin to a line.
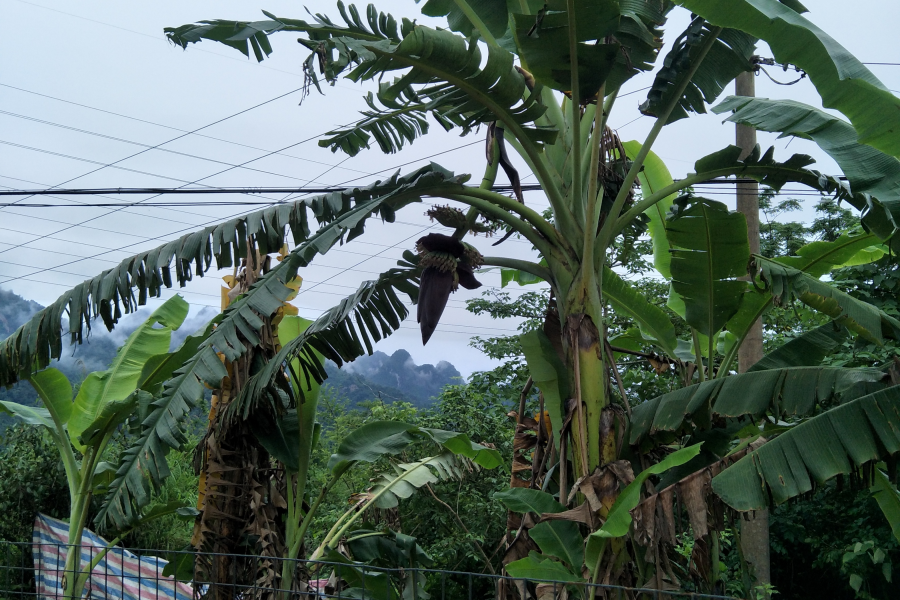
pixel 391 378
pixel 388 378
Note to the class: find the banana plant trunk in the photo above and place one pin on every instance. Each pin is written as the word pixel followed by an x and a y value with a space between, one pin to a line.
pixel 241 496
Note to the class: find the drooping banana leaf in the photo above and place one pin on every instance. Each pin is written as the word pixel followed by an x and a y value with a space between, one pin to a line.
pixel 786 392
pixel 119 381
pixel 247 35
pixel 839 441
pixel 145 460
pixel 127 286
pixel 787 284
pixel 874 175
pixel 710 251
pixel 159 368
pixel 842 81
pixel 452 84
pixel 816 258
pixel 807 350
pixel 728 57
pixel 388 490
pixel 341 334
pixel 382 438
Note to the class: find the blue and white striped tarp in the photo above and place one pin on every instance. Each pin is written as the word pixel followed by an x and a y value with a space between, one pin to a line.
pixel 120 575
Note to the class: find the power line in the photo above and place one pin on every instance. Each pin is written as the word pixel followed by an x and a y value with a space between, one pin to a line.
pixel 219 219
pixel 154 123
pixel 182 136
pixel 134 143
pixel 275 190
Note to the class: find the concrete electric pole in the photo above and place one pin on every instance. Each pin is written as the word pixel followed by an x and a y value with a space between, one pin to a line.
pixel 755 531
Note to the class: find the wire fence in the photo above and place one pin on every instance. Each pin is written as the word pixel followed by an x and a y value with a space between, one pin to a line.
pixel 29 571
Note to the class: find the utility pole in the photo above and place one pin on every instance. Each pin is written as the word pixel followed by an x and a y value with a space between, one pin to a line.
pixel 754 531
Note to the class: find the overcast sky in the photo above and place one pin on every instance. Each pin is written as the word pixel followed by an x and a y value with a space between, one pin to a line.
pixel 87 84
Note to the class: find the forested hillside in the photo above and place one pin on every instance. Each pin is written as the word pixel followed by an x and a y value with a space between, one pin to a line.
pixel 376 377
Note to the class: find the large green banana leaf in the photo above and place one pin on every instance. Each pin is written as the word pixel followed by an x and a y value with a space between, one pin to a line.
pixel 787 284
pixel 888 498
pixel 710 251
pixel 728 57
pixel 816 258
pixel 544 49
pixel 375 302
pixel 843 82
pixel 126 286
pixel 55 391
pixel 527 500
pixel 874 176
pixel 654 177
pixel 549 374
pixel 626 31
pixel 382 438
pixel 120 380
pixel 786 392
pixel 850 249
pixel 654 323
pixel 807 350
pixel 837 442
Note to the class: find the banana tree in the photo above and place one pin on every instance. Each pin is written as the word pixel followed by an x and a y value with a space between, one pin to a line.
pixel 82 426
pixel 290 435
pixel 543 79
pixel 587 174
